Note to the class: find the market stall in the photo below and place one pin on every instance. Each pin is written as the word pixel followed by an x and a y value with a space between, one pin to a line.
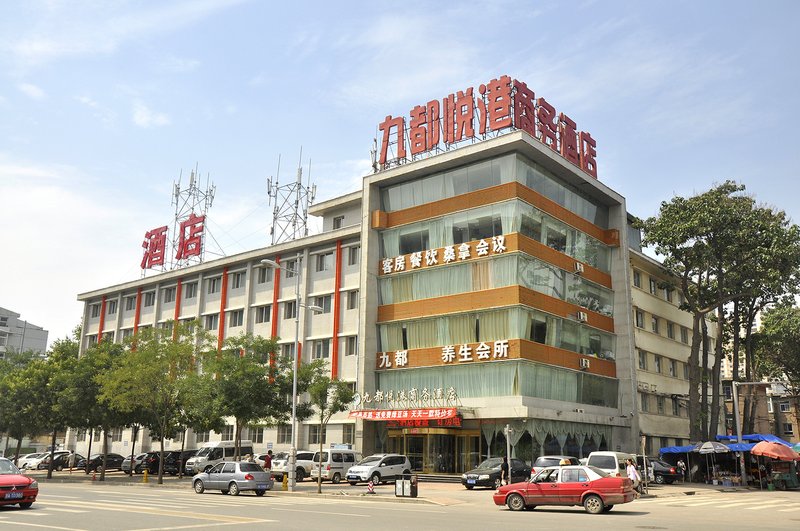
pixel 782 470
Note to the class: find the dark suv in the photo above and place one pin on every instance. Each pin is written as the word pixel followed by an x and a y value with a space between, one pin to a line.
pixel 487 474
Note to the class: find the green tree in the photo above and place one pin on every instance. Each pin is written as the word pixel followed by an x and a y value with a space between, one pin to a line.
pixel 780 349
pixel 328 396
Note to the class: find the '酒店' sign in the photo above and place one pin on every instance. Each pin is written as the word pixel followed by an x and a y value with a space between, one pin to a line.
pixel 502 103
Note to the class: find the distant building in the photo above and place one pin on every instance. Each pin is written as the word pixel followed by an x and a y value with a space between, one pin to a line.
pixel 18 335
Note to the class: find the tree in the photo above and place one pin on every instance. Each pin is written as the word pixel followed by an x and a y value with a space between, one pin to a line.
pixel 328 396
pixel 781 347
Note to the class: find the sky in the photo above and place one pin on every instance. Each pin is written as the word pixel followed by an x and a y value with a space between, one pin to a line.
pixel 104 104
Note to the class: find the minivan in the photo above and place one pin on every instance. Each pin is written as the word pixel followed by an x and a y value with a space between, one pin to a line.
pixel 334 464
pixel 212 453
pixel 612 463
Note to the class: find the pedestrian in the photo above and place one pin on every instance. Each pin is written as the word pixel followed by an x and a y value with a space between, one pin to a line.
pixel 268 460
pixel 633 475
pixel 71 460
pixel 504 477
pixel 682 469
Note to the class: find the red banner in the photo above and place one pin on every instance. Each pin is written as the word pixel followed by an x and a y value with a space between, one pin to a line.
pixel 405 414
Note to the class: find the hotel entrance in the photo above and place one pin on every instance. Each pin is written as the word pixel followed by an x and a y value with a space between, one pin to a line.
pixel 437 450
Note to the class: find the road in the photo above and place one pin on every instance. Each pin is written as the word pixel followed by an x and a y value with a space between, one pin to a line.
pixel 115 506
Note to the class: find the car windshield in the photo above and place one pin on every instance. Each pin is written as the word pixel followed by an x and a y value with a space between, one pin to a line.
pixel 99 456
pixel 250 467
pixel 7 467
pixel 369 460
pixel 204 451
pixel 281 455
pixel 493 462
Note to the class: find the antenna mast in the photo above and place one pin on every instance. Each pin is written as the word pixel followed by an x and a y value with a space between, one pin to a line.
pixel 190 204
pixel 292 201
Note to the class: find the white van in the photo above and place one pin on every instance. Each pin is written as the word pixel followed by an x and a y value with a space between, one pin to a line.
pixel 212 453
pixel 335 463
pixel 613 463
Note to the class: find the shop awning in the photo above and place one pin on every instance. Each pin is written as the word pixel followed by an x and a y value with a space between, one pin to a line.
pixel 756 437
pixel 676 449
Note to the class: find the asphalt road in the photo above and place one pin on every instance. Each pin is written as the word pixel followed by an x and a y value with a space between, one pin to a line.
pixel 117 506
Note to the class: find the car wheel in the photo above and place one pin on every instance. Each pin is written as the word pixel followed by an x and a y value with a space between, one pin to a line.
pixel 515 502
pixel 26 505
pixel 336 478
pixel 470 487
pixel 406 472
pixel 59 468
pixel 607 508
pixel 199 488
pixel 375 479
pixel 233 489
pixel 498 483
pixel 593 504
pixel 260 492
pixel 99 469
pixel 660 480
pixel 352 483
pixel 300 474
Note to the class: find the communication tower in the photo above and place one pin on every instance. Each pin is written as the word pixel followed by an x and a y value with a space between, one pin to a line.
pixel 190 204
pixel 292 200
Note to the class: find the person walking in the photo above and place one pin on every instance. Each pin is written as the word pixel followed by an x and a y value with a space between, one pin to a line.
pixel 268 461
pixel 634 476
pixel 682 468
pixel 71 460
pixel 504 476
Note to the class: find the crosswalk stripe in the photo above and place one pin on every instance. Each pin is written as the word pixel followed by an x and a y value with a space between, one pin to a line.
pixel 766 505
pixel 58 509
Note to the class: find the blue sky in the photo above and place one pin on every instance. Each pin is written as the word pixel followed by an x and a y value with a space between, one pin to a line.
pixel 104 103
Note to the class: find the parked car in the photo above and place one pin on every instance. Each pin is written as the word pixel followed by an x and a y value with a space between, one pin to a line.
pixel 15 487
pixel 23 461
pixel 487 474
pixel 138 459
pixel 215 452
pixel 60 461
pixel 172 458
pixel 304 462
pixel 544 461
pixel 664 472
pixel 232 478
pixel 33 463
pixel 582 485
pixel 176 460
pixel 612 463
pixel 335 463
pixel 379 468
pixel 113 461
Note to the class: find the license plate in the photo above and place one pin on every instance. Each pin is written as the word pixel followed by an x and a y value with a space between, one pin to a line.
pixel 262 486
pixel 352 477
pixel 14 495
pixel 470 482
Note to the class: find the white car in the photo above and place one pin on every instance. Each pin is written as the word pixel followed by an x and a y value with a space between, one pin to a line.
pixel 379 468
pixel 22 462
pixel 303 465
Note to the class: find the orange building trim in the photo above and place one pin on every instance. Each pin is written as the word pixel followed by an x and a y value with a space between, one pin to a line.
pixel 276 287
pixel 102 320
pixel 336 309
pixel 222 301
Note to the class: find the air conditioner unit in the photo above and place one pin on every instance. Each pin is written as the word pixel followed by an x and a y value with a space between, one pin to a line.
pixel 653 388
pixel 583 317
pixel 584 363
pixel 579 410
pixel 578 268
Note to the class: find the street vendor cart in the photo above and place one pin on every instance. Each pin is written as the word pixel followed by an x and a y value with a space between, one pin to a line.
pixel 784 475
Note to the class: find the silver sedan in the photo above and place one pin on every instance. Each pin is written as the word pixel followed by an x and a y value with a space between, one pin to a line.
pixel 233 477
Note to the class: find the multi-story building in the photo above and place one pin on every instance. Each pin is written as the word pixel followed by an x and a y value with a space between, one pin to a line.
pixel 19 335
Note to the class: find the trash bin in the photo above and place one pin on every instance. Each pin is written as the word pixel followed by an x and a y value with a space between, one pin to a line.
pixel 406 486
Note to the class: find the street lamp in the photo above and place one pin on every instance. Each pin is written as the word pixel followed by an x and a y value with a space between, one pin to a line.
pixel 272 264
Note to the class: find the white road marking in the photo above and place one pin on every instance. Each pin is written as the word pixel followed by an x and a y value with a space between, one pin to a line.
pixel 196 526
pixel 46 526
pixel 766 505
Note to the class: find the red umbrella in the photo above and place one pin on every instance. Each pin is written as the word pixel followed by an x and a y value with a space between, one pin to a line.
pixel 775 451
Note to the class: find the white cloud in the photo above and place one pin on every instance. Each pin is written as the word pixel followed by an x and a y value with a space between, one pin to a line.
pixel 144 117
pixel 31 90
pixel 100 112
pixel 179 64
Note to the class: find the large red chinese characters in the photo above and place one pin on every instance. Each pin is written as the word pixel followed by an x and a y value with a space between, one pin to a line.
pixel 190 239
pixel 502 103
pixel 154 245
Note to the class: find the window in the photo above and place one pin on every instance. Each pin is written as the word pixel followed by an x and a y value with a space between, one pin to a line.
pixel 338 222
pixel 323 302
pixel 202 436
pixel 95 310
pixel 784 407
pixel 314 434
pixel 676 407
pixel 788 428
pixel 351 346
pixel 149 298
pixel 91 340
pixel 126 333
pixel 237 280
pixel 284 434
pixel 227 432
pixel 264 275
pixel 116 434
pixel 655 324
pixel 169 294
pixel 769 406
pixel 348 434
pixel 685 371
pixel 81 434
pixel 257 434
pixel 673 368
pixel 660 404
pixel 643 405
pixel 190 290
pixel 684 335
pixel 352 299
pixel 643 360
pixel 290 268
pixel 96 435
pixel 112 307
pixel 637 279
pixel 325 262
pixel 670 330
pixel 213 285
pixel 130 303
pixel 263 313
pixel 287 350
pixel 237 318
pixel 290 309
pixel 353 255
pixel 639 319
pixel 212 322
pixel 657 364
pixel 668 294
pixel 322 348
pixel 726 389
pixel 653 286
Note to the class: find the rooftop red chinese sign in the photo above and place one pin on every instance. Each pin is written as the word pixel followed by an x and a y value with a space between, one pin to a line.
pixel 502 104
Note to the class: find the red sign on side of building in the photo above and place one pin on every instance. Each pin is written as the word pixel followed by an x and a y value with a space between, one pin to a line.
pixel 503 103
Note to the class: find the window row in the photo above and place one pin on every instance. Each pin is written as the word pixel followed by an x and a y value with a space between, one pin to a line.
pixel 661 405
pixel 662 327
pixel 493 325
pixel 495 220
pixel 658 289
pixel 496 272
pixel 662 365
pixel 481 175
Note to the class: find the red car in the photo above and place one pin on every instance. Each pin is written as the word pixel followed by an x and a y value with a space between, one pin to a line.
pixel 568 485
pixel 16 487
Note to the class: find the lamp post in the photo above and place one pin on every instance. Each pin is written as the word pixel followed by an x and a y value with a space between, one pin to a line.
pixel 293 450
